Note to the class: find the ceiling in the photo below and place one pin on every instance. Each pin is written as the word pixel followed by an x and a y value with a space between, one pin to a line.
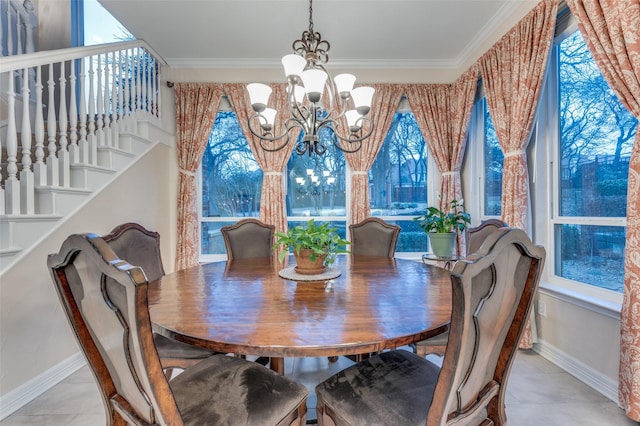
pixel 363 33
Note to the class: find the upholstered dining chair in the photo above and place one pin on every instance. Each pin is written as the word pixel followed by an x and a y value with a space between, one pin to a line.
pixel 141 247
pixel 492 295
pixel 475 237
pixel 105 300
pixel 248 238
pixel 374 237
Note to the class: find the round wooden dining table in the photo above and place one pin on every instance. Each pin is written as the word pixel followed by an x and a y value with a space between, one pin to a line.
pixel 245 307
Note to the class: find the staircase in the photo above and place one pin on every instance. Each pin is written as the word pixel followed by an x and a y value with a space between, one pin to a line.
pixel 69 121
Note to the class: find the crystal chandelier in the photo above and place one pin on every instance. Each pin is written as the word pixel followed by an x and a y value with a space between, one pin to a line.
pixel 314 101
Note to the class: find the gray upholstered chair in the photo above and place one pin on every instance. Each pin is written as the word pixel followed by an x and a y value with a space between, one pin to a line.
pixel 139 246
pixel 373 237
pixel 492 295
pixel 475 237
pixel 105 300
pixel 248 238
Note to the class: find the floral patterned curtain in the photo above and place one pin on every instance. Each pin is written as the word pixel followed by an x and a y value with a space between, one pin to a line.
pixel 272 202
pixel 196 109
pixel 443 112
pixel 385 103
pixel 611 29
pixel 512 74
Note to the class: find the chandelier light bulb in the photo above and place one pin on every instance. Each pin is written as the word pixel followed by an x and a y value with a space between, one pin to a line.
pixel 298 93
pixel 362 97
pixel 259 95
pixel 267 118
pixel 353 120
pixel 314 81
pixel 293 66
pixel 344 84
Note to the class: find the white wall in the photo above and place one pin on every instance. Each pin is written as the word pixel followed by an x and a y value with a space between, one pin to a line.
pixel 35 336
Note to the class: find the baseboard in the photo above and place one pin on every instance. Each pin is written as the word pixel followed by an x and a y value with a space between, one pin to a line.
pixel 23 394
pixel 599 382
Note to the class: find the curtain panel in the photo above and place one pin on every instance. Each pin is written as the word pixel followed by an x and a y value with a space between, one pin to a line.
pixel 512 73
pixel 385 103
pixel 611 29
pixel 273 163
pixel 443 112
pixel 196 109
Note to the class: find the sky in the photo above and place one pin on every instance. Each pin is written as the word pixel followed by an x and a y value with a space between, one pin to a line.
pixel 99 25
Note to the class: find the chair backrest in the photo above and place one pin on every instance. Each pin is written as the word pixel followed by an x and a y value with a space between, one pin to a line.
pixel 374 237
pixel 477 235
pixel 492 294
pixel 248 238
pixel 105 301
pixel 138 246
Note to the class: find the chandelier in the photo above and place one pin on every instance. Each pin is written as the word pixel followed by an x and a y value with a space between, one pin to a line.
pixel 315 101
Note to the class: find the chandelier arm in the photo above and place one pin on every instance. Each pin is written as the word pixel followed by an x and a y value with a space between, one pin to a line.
pixel 264 136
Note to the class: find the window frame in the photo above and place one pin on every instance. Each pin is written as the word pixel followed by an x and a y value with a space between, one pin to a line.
pixel 546 144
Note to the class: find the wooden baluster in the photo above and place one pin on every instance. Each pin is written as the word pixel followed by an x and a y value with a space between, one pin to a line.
pixel 158 90
pixel 92 139
pixel 140 85
pixel 53 176
pixel 121 91
pixel 106 107
pixel 99 105
pixel 144 102
pixel 63 153
pixel 9 31
pixel 114 103
pixel 83 147
pixel 27 197
pixel 39 168
pixel 12 185
pixel 132 87
pixel 74 151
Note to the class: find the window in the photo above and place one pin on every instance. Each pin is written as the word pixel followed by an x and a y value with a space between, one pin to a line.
pixel 493 163
pixel 591 168
pixel 398 181
pixel 230 182
pixel 98 25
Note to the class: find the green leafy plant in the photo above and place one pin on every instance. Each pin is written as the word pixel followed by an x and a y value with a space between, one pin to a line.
pixel 320 238
pixel 453 220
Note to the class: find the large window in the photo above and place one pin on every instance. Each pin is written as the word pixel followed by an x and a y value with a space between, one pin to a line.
pixel 398 181
pixel 591 162
pixel 316 186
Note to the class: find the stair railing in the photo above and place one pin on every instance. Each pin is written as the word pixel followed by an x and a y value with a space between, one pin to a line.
pixel 84 97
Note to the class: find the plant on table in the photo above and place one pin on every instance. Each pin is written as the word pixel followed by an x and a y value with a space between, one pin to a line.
pixel 444 222
pixel 320 239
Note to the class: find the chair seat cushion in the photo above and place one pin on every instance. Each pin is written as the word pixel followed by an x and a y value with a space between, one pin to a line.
pixel 246 393
pixel 170 348
pixel 391 388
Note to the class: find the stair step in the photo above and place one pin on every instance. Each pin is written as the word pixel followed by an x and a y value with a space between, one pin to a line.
pixel 57 200
pixel 89 177
pixel 114 158
pixel 18 231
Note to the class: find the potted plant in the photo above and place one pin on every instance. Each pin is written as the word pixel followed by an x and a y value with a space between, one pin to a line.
pixel 442 226
pixel 314 246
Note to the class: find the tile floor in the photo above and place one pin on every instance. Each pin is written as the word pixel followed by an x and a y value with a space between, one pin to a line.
pixel 539 394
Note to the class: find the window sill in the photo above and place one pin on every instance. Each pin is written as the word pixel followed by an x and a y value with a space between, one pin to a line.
pixel 603 306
